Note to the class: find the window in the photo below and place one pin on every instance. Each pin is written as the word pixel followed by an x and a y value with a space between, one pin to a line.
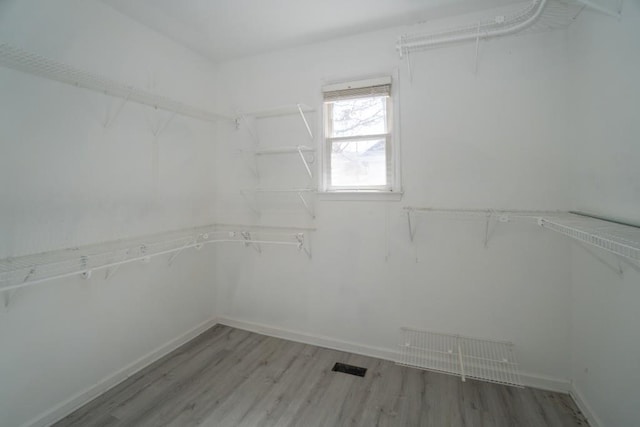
pixel 358 151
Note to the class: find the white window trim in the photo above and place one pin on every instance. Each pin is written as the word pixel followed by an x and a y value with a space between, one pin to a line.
pixel 395 188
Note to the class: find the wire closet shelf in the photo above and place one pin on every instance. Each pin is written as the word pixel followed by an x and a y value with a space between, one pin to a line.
pixel 29 270
pixel 536 15
pixel 480 359
pixel 21 60
pixel 619 239
pixel 283 110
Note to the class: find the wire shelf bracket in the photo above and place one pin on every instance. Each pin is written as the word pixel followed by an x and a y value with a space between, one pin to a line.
pixel 306 204
pixel 248 241
pixel 24 61
pixel 110 118
pixel 617 14
pixel 306 122
pixel 475 358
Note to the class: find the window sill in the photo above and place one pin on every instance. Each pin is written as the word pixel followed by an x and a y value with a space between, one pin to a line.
pixel 391 196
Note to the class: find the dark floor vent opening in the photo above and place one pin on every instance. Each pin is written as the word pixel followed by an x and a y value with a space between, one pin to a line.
pixel 349 369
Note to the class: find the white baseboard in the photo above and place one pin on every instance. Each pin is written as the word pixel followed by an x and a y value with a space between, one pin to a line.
pixel 305 338
pixel 74 402
pixel 529 380
pixel 544 382
pixel 585 408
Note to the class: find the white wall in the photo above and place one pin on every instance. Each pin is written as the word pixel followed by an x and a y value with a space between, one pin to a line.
pixel 66 180
pixel 495 139
pixel 491 140
pixel 605 137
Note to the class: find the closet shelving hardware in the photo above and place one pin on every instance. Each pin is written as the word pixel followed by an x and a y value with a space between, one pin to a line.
pixel 281 190
pixel 28 270
pixel 480 359
pixel 264 228
pixel 303 152
pixel 601 9
pixel 531 16
pixel 285 110
pixel 302 195
pixel 21 60
pixel 282 110
pixel 496 27
pixel 619 239
pixel 300 150
pixel 284 150
pixel 500 215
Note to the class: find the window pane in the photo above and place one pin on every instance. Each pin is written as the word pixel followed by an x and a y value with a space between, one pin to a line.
pixel 360 116
pixel 359 163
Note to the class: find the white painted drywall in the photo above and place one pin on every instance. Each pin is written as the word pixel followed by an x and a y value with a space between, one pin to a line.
pixel 506 137
pixel 605 136
pixel 65 180
pixel 495 140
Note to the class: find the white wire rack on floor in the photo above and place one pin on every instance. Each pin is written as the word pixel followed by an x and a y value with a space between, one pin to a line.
pixel 29 270
pixel 619 239
pixel 480 359
pixel 21 60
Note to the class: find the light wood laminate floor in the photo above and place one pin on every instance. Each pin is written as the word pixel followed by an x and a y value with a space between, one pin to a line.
pixel 230 377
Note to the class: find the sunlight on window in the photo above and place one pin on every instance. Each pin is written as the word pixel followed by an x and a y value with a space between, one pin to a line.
pixel 360 116
pixel 359 163
pixel 358 139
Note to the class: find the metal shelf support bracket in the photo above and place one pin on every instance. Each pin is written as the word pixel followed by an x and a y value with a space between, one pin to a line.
pixel 249 241
pixel 412 227
pixel 109 119
pixel 594 6
pixel 304 119
pixel 301 244
pixel 304 162
pixel 7 296
pixel 306 205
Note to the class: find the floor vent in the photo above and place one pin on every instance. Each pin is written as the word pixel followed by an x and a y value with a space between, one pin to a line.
pixel 349 369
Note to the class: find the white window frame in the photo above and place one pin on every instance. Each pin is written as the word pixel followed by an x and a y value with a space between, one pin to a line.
pixel 393 186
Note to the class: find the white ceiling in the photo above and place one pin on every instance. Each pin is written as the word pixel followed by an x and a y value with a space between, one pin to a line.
pixel 226 29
